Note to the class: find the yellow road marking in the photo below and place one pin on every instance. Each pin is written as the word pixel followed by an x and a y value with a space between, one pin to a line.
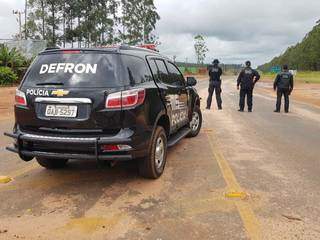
pixel 22 171
pixel 247 215
pixel 241 195
pixel 5 179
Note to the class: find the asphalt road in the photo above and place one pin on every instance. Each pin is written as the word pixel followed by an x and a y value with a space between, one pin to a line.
pixel 246 176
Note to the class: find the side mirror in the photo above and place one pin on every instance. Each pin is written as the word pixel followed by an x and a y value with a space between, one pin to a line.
pixel 191 81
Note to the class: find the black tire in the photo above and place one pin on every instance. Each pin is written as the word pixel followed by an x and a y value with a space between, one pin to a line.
pixel 50 163
pixel 150 167
pixel 195 129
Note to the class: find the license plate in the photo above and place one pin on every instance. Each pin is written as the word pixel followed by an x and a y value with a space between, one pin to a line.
pixel 61 111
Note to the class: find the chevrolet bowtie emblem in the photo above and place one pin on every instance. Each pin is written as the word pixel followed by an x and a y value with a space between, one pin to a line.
pixel 59 93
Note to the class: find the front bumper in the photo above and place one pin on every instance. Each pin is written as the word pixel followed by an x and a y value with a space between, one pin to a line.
pixel 29 145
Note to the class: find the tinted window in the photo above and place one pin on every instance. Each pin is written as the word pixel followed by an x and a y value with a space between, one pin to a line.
pixel 76 70
pixel 175 75
pixel 136 70
pixel 163 72
pixel 153 66
pixel 154 69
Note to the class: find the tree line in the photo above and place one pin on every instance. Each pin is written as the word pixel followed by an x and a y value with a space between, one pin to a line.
pixel 86 23
pixel 304 56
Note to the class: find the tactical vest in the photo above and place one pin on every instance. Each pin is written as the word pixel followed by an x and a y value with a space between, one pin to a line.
pixel 284 80
pixel 215 74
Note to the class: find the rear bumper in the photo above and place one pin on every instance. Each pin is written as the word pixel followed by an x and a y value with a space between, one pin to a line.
pixel 28 146
pixel 54 155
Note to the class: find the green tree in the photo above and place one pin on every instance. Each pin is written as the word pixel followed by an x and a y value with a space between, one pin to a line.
pixel 94 19
pixel 92 22
pixel 37 19
pixel 139 18
pixel 303 56
pixel 149 18
pixel 200 48
pixel 54 21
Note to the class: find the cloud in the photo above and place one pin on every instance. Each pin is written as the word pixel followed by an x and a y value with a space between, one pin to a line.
pixel 235 30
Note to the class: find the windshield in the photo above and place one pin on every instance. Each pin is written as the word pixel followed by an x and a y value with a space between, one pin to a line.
pixel 75 70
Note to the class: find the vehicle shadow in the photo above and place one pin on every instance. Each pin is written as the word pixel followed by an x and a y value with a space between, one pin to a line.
pixel 74 189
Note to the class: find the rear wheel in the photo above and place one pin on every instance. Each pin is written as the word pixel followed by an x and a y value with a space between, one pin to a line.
pixel 196 122
pixel 50 163
pixel 153 165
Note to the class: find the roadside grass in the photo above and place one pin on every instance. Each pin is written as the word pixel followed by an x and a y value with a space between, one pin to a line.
pixel 301 77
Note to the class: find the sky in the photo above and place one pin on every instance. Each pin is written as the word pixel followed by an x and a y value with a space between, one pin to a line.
pixel 234 30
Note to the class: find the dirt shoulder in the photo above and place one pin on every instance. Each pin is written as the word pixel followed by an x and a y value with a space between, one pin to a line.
pixel 6 102
pixel 303 92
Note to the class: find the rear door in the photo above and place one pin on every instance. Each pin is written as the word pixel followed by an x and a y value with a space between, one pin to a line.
pixel 177 80
pixel 172 92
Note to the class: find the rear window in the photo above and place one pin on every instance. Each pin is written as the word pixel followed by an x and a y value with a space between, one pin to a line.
pixel 75 70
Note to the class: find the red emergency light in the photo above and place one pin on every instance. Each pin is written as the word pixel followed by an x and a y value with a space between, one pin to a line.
pixel 152 47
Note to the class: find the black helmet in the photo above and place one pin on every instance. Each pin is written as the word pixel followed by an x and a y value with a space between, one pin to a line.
pixel 248 63
pixel 285 67
pixel 216 61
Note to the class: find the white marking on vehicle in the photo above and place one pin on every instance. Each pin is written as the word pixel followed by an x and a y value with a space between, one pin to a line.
pixel 60 66
pixel 68 68
pixel 179 111
pixel 52 68
pixel 37 92
pixel 80 68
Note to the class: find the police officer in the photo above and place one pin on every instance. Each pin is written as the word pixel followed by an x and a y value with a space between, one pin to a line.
pixel 284 86
pixel 246 82
pixel 215 73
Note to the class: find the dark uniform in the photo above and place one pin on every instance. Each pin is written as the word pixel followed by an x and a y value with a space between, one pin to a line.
pixel 215 73
pixel 246 80
pixel 284 86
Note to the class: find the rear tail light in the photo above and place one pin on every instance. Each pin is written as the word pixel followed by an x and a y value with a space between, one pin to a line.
pixel 20 98
pixel 126 99
pixel 115 148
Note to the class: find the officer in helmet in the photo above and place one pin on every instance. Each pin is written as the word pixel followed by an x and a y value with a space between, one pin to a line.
pixel 283 84
pixel 215 73
pixel 247 79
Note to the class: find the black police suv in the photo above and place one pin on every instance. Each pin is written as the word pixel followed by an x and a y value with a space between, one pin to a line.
pixel 109 104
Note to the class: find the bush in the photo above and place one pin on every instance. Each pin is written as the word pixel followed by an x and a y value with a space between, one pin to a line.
pixel 13 59
pixel 7 76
